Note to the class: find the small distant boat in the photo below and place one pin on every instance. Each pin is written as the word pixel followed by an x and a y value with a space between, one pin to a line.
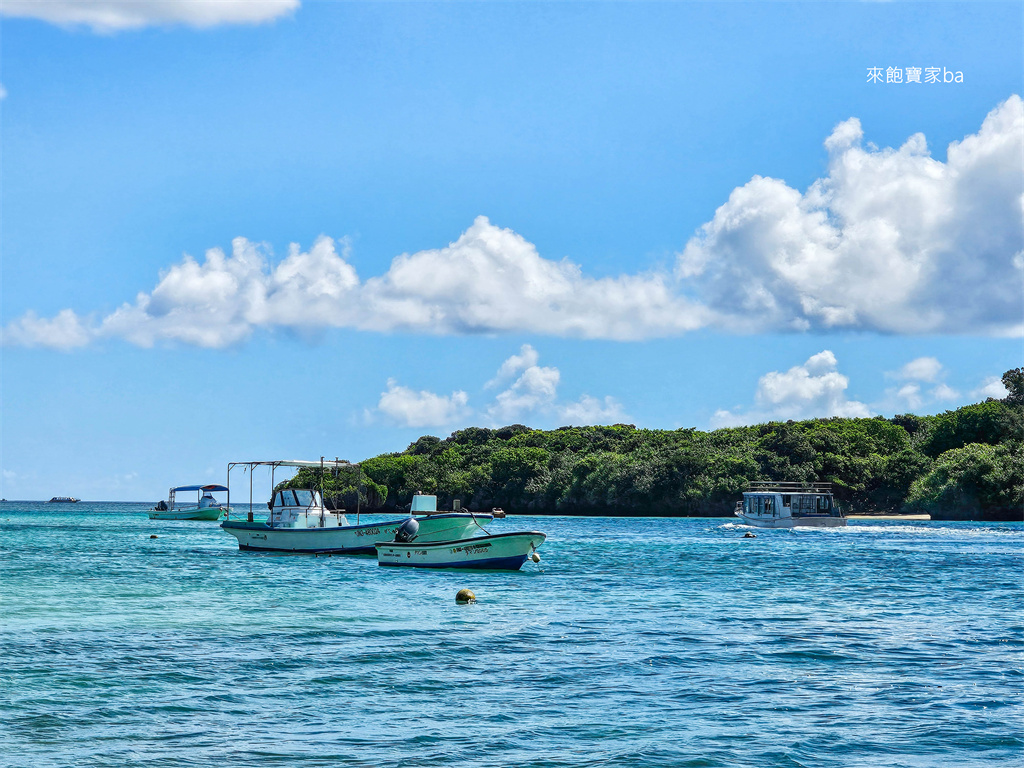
pixel 768 504
pixel 500 552
pixel 63 500
pixel 299 523
pixel 206 507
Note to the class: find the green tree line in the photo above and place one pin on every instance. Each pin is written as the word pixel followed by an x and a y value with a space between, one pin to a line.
pixel 961 464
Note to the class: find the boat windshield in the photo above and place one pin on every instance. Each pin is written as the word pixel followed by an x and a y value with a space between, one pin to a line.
pixel 297 497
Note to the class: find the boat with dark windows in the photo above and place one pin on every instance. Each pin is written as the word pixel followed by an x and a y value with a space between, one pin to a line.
pixel 771 504
pixel 299 522
pixel 207 507
pixel 63 500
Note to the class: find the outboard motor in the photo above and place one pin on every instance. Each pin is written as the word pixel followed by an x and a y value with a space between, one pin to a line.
pixel 407 531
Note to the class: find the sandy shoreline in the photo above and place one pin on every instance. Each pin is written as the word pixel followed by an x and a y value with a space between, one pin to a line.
pixel 888 517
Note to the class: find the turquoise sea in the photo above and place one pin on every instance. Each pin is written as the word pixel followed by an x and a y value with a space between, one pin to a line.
pixel 635 642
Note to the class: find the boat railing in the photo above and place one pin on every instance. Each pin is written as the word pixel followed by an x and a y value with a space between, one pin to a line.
pixel 787 486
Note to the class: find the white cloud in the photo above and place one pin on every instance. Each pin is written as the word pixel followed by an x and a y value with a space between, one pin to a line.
pixel 534 394
pixel 920 369
pixel 944 392
pixel 115 15
pixel 533 391
pixel 591 410
pixel 910 395
pixel 891 240
pixel 64 332
pixel 422 409
pixel 491 280
pixel 527 357
pixel 812 390
pixel 992 386
pixel 221 301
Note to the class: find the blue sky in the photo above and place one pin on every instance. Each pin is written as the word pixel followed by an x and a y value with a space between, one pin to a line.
pixel 668 214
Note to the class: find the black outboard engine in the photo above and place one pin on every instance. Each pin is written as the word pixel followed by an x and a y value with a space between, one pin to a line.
pixel 407 531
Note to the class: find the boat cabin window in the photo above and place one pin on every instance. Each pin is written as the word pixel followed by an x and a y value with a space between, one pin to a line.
pixel 308 498
pixel 786 500
pixel 297 498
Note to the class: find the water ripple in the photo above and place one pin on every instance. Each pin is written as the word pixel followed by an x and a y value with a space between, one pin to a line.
pixel 634 643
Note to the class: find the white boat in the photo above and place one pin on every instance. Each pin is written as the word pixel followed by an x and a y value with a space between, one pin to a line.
pixel 298 522
pixel 502 551
pixel 206 507
pixel 768 504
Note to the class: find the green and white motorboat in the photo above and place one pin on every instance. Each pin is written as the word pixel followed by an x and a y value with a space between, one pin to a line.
pixel 298 522
pixel 207 507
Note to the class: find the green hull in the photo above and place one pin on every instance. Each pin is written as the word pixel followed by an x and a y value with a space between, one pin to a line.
pixel 210 513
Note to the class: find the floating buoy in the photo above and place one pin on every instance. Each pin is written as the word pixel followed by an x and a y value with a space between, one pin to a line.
pixel 535 557
pixel 749 535
pixel 152 535
pixel 465 596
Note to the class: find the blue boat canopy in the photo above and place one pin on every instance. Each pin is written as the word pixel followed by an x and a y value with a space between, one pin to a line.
pixel 200 488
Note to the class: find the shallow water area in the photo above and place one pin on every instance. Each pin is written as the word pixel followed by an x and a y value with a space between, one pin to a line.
pixel 634 642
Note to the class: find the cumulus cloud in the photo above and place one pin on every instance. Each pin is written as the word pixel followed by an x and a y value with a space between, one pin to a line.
pixel 526 358
pixel 815 389
pixel 220 301
pixel 65 331
pixel 489 281
pixel 944 392
pixel 422 409
pixel 493 280
pixel 535 394
pixel 920 369
pixel 909 395
pixel 592 410
pixel 992 386
pixel 912 393
pixel 534 390
pixel 115 15
pixel 890 240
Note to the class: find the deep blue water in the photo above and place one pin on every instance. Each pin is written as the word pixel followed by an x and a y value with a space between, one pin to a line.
pixel 641 642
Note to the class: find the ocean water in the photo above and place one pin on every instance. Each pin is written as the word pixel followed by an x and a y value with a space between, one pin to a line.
pixel 640 642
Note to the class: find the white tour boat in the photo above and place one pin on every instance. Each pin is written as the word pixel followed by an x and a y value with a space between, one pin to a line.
pixel 768 504
pixel 206 507
pixel 502 551
pixel 298 521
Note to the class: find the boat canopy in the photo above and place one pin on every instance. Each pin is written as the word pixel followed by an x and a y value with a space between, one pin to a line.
pixel 200 488
pixel 325 463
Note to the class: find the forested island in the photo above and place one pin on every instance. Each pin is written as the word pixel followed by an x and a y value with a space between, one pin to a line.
pixel 966 464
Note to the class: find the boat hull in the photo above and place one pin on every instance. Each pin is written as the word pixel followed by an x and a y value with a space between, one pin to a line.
pixel 503 551
pixel 822 521
pixel 348 539
pixel 210 513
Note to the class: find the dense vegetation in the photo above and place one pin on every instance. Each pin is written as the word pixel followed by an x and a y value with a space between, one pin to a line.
pixel 967 463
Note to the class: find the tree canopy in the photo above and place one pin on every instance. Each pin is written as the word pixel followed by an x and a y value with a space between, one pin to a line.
pixel 962 462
